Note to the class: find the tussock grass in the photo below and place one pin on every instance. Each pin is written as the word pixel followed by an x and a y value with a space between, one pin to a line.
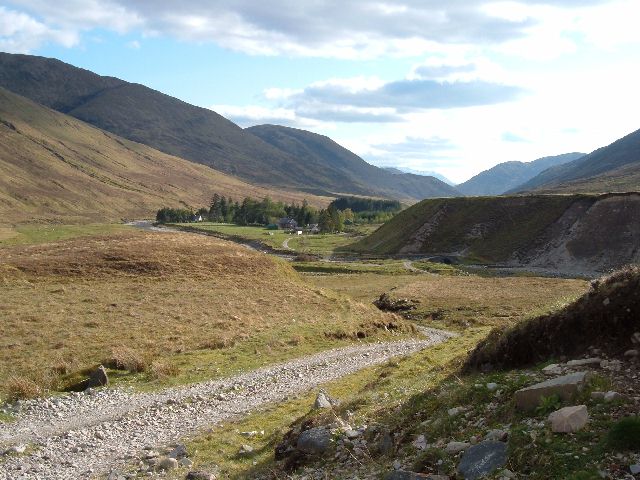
pixel 165 296
pixel 22 388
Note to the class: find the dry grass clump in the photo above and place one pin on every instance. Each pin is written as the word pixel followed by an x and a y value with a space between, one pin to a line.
pixel 125 358
pixel 160 369
pixel 22 388
pixel 217 343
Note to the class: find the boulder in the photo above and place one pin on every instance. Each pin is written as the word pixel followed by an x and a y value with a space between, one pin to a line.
pixel 482 459
pixel 314 441
pixel 613 396
pixel 98 378
pixel 631 353
pixel 386 444
pixel 453 448
pixel 245 450
pixel 552 370
pixel 565 387
pixel 569 419
pixel 180 451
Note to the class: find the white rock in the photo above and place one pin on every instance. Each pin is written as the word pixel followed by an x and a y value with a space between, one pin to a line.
pixel 420 442
pixel 492 386
pixel 584 362
pixel 569 419
pixel 552 369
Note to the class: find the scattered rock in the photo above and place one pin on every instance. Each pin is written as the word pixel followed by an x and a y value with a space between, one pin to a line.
pixel 613 396
pixel 569 419
pixel 245 450
pixel 387 304
pixel 420 442
pixel 482 459
pixel 404 475
pixel 98 378
pixel 15 450
pixel 583 362
pixel 322 401
pixel 553 369
pixel 180 451
pixel 314 441
pixel 565 387
pixel 200 475
pixel 454 448
pixel 166 464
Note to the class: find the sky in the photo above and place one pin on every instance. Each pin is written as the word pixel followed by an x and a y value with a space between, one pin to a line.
pixel 451 86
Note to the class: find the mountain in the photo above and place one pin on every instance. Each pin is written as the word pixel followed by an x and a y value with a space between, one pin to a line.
pixel 345 168
pixel 54 167
pixel 400 170
pixel 200 135
pixel 615 167
pixel 508 175
pixel 573 234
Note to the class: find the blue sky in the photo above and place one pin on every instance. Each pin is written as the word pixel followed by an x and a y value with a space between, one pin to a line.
pixel 451 86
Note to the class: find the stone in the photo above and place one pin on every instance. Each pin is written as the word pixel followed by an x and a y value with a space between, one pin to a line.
pixel 314 441
pixel 245 450
pixel 569 419
pixel 166 464
pixel 482 459
pixel 98 378
pixel 565 387
pixel 597 396
pixel 582 362
pixel 455 411
pixel 635 338
pixel 322 401
pixel 613 396
pixel 454 448
pixel 15 450
pixel 496 435
pixel 635 469
pixel 553 369
pixel 404 475
pixel 631 353
pixel 200 475
pixel 386 444
pixel 492 386
pixel 352 434
pixel 420 442
pixel 180 451
pixel 185 462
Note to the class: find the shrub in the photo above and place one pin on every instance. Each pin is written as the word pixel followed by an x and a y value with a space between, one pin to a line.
pixel 625 434
pixel 21 388
pixel 125 358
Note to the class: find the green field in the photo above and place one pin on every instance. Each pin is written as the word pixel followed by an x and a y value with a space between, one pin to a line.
pixel 317 244
pixel 36 234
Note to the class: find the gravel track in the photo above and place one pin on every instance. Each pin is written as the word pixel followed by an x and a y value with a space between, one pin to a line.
pixel 85 434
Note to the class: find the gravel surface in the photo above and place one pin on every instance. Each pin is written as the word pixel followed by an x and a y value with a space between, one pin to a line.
pixel 84 434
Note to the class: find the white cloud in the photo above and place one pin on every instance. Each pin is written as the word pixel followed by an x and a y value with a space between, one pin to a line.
pixel 20 33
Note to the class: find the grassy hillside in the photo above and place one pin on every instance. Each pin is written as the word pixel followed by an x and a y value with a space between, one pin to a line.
pixel 56 168
pixel 176 299
pixel 577 234
pixel 320 153
pixel 615 166
pixel 485 228
pixel 508 175
pixel 200 135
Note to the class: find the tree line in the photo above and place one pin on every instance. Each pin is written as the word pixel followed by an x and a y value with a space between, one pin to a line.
pixel 267 212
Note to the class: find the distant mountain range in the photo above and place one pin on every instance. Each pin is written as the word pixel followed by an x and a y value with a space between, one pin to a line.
pixel 509 175
pixel 54 167
pixel 427 173
pixel 614 168
pixel 172 126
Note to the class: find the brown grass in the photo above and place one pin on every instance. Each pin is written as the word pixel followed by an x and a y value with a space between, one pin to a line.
pixel 125 358
pixel 462 300
pixel 163 296
pixel 21 388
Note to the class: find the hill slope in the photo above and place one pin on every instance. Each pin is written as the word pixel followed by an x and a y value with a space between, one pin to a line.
pixel 573 234
pixel 54 167
pixel 615 167
pixel 172 126
pixel 325 156
pixel 508 175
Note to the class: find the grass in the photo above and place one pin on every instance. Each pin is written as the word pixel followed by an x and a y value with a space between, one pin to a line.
pixel 36 234
pixel 383 267
pixel 461 301
pixel 487 229
pixel 175 298
pixel 319 244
